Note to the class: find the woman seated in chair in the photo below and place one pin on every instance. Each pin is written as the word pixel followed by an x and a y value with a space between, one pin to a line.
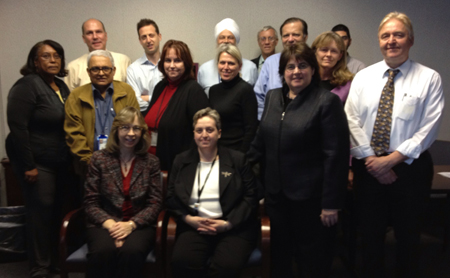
pixel 122 200
pixel 212 193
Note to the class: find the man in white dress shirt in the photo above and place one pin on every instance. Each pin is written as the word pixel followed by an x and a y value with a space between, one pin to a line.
pixel 226 31
pixel 95 37
pixel 393 173
pixel 143 74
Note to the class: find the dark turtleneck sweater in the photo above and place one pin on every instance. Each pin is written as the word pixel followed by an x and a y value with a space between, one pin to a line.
pixel 236 103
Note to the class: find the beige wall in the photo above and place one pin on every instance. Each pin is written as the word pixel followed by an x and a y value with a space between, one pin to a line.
pixel 23 23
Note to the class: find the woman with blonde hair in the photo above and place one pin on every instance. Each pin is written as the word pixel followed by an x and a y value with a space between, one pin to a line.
pixel 331 56
pixel 123 199
pixel 235 101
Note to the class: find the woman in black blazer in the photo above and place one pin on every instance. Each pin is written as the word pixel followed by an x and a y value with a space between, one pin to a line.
pixel 212 194
pixel 175 100
pixel 303 137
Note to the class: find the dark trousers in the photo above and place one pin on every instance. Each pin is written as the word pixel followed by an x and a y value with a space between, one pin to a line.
pixel 44 201
pixel 222 255
pixel 402 204
pixel 106 260
pixel 296 232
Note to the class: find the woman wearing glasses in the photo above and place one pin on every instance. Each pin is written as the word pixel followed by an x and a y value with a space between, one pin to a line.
pixel 304 137
pixel 37 149
pixel 331 56
pixel 122 201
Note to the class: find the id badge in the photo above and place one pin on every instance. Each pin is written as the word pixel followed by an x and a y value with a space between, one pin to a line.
pixel 101 141
pixel 154 136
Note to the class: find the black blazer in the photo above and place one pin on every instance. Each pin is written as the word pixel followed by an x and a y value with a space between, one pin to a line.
pixel 175 132
pixel 256 61
pixel 306 146
pixel 238 192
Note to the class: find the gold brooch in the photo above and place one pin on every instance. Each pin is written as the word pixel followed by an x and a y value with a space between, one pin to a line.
pixel 226 174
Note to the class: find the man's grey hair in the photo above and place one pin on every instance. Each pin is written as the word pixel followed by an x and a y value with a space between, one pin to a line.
pixel 100 52
pixel 266 28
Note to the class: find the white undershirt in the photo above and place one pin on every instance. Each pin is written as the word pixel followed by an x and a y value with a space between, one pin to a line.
pixel 210 198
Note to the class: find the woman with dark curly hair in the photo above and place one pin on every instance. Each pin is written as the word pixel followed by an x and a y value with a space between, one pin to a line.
pixel 304 137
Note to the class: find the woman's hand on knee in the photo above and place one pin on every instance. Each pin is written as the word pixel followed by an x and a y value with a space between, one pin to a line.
pixel 200 224
pixel 329 217
pixel 120 230
pixel 31 176
pixel 119 242
pixel 219 225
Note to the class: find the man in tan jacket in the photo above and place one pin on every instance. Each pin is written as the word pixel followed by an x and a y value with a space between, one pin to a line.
pixel 91 108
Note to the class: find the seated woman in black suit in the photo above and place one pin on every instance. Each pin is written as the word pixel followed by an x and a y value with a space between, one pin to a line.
pixel 123 199
pixel 212 193
pixel 234 100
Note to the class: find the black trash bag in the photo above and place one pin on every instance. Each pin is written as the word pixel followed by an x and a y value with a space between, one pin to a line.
pixel 12 234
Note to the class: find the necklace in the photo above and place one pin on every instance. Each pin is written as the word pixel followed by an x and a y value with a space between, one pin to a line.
pixel 125 163
pixel 289 97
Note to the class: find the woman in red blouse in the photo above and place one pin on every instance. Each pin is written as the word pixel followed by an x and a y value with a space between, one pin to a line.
pixel 123 199
pixel 174 102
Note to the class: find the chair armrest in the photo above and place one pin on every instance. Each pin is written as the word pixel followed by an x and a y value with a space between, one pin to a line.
pixel 169 234
pixel 265 245
pixel 160 241
pixel 164 184
pixel 71 234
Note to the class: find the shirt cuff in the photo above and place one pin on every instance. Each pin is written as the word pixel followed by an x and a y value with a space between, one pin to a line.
pixel 410 149
pixel 362 151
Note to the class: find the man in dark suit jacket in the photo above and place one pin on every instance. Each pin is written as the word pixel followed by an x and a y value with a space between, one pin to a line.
pixel 267 41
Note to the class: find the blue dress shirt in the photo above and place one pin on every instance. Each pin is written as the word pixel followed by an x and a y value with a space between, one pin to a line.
pixel 104 112
pixel 268 79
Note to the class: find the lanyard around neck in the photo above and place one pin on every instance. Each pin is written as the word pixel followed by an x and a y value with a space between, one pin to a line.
pixel 200 189
pixel 108 110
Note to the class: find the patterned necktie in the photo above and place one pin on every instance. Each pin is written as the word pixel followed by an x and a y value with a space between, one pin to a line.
pixel 382 128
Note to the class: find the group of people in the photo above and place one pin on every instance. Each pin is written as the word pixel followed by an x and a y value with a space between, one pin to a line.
pixel 298 114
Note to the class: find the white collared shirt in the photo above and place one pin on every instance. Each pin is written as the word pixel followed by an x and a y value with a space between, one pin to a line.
pixel 417 111
pixel 260 63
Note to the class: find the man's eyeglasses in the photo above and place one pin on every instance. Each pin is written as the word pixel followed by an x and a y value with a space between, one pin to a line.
pixel 106 70
pixel 263 39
